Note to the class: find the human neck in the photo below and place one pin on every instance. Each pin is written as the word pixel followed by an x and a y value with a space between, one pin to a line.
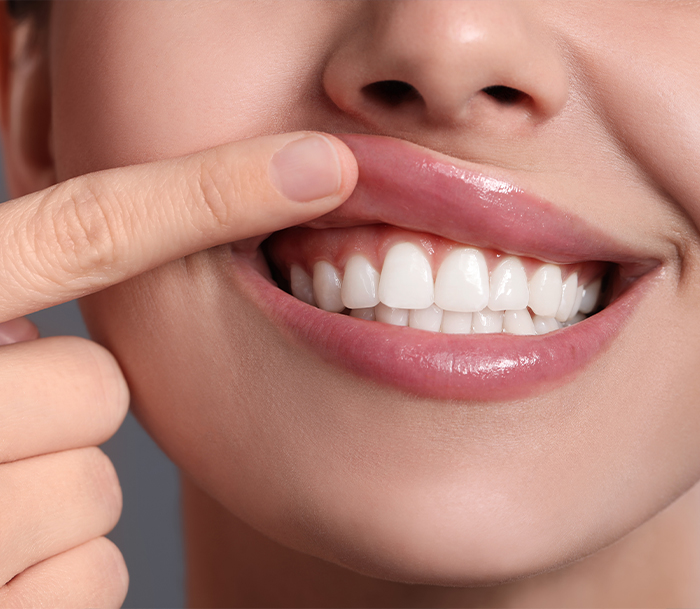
pixel 229 564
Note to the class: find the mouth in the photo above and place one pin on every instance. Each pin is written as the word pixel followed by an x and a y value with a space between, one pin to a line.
pixel 443 282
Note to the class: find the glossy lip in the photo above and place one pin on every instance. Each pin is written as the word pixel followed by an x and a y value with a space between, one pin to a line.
pixel 417 189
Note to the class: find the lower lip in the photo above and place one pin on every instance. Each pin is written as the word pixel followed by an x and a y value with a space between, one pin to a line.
pixel 479 367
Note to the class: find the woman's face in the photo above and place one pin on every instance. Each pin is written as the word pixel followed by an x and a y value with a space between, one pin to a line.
pixel 556 132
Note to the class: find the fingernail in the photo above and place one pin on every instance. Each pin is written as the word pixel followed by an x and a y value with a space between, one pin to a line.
pixel 306 169
pixel 17 331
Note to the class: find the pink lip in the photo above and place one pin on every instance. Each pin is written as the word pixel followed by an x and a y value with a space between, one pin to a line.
pixel 411 187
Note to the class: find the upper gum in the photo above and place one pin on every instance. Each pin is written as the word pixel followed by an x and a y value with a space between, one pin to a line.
pixel 305 247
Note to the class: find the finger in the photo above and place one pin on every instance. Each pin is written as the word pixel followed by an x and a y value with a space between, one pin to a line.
pixel 76 396
pixel 91 575
pixel 96 230
pixel 53 503
pixel 17 331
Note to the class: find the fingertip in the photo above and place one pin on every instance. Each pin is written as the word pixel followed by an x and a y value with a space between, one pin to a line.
pixel 17 331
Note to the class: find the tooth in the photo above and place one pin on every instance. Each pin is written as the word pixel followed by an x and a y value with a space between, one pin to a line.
pixel 406 280
pixel 327 287
pixel 545 290
pixel 518 322
pixel 575 319
pixel 508 286
pixel 568 297
pixel 544 325
pixel 462 282
pixel 367 314
pixel 390 315
pixel 577 302
pixel 426 319
pixel 590 296
pixel 456 323
pixel 359 290
pixel 301 284
pixel 487 321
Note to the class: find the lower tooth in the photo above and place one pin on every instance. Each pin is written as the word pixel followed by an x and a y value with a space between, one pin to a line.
pixel 390 315
pixel 544 325
pixel 518 322
pixel 426 319
pixel 367 314
pixel 456 323
pixel 487 321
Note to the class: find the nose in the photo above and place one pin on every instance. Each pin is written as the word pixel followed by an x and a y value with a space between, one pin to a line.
pixel 484 63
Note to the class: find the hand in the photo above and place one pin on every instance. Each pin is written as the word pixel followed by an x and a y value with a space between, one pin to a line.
pixel 63 396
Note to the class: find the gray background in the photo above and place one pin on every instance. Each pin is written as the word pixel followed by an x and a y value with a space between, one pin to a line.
pixel 149 532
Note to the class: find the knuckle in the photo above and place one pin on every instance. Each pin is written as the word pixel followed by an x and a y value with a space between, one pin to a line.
pixel 111 577
pixel 101 484
pixel 213 185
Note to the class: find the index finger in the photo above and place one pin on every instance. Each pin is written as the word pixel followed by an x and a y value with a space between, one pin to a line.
pixel 99 229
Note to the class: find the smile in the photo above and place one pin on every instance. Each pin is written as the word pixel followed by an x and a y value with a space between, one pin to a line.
pixel 485 292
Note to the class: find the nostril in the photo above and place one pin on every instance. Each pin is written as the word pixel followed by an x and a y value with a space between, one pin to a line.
pixel 505 95
pixel 391 92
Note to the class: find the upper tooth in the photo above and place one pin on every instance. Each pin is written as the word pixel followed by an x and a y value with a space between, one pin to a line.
pixel 508 286
pixel 462 282
pixel 545 290
pixel 301 284
pixel 577 302
pixel 590 296
pixel 426 319
pixel 568 297
pixel 360 280
pixel 406 280
pixel 518 322
pixel 327 287
pixel 390 315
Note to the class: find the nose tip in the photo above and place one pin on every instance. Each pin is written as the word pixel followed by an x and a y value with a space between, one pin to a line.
pixel 448 62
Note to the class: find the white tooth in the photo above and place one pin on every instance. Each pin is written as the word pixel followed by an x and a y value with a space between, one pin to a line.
pixel 487 321
pixel 426 319
pixel 367 314
pixel 301 284
pixel 544 325
pixel 545 290
pixel 456 323
pixel 575 319
pixel 389 315
pixel 508 286
pixel 327 287
pixel 406 280
pixel 360 281
pixel 462 282
pixel 590 296
pixel 518 322
pixel 568 297
pixel 577 302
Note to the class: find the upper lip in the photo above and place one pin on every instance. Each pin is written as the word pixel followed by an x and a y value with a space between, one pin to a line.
pixel 418 189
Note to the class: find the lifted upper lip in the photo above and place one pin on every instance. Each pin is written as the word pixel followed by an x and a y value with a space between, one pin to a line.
pixel 415 188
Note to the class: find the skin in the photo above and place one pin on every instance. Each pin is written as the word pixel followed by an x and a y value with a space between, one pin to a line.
pixel 352 483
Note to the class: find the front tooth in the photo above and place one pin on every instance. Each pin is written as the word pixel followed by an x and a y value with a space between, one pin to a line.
pixel 367 314
pixel 577 302
pixel 302 285
pixel 518 322
pixel 545 290
pixel 544 325
pixel 487 321
pixel 508 286
pixel 462 282
pixel 568 297
pixel 406 280
pixel 390 315
pixel 456 323
pixel 590 296
pixel 327 287
pixel 426 319
pixel 359 290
